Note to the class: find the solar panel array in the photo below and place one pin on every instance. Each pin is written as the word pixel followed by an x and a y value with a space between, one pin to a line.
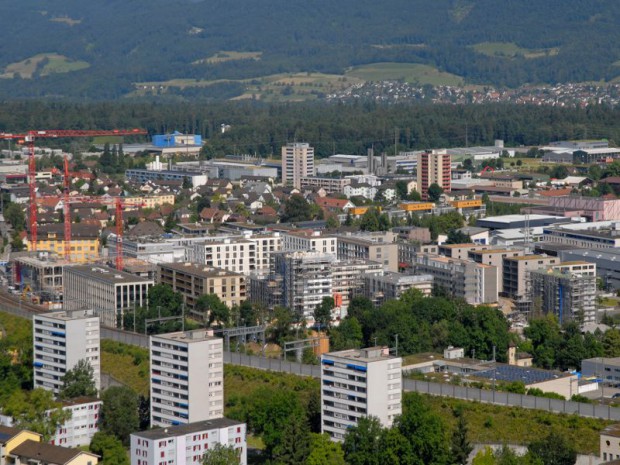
pixel 511 373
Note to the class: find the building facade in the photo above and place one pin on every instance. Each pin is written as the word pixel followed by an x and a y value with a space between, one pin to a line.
pixel 187 377
pixel 297 163
pixel 474 282
pixel 78 431
pixel 306 279
pixel 109 292
pixel 567 290
pixel 382 287
pixel 60 341
pixel 356 384
pixel 187 444
pixel 192 281
pixel 516 273
pixel 433 168
pixel 369 248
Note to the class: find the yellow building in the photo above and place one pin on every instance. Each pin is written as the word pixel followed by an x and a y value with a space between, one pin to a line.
pixel 85 243
pixel 417 206
pixel 471 203
pixel 35 452
pixel 150 201
pixel 359 211
pixel 10 438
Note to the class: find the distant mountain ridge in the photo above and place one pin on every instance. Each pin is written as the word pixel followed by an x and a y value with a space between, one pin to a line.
pixel 98 49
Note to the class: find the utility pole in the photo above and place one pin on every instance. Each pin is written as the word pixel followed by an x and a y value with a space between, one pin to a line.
pixel 396 351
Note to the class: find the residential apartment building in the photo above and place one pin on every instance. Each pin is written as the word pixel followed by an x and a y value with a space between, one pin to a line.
pixel 380 288
pixel 266 289
pixel 187 377
pixel 31 452
pixel 348 279
pixel 307 240
pixel 85 242
pixel 516 273
pixel 78 431
pixel 331 185
pixel 187 444
pixel 307 279
pixel 108 291
pixel 356 384
pixel 474 282
pixel 240 255
pixel 142 175
pixel 192 281
pixel 150 201
pixel 378 249
pixel 297 163
pixel 495 257
pixel 60 341
pixel 434 167
pixel 610 444
pixel 567 290
pixel 460 251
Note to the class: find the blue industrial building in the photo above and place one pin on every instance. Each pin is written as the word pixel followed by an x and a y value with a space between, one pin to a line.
pixel 176 139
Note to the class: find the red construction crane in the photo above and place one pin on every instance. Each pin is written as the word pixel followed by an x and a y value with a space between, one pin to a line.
pixel 119 204
pixel 30 137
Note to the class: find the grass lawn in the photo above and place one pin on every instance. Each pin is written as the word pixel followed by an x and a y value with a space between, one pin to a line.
pixel 223 56
pixel 511 50
pixel 414 73
pixel 55 64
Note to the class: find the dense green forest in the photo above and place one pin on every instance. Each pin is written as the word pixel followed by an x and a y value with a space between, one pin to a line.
pixel 97 50
pixel 330 128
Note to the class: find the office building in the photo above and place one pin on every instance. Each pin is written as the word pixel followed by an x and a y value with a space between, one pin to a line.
pixel 187 444
pixel 607 263
pixel 474 282
pixel 297 163
pixel 516 273
pixel 187 377
pixel 60 341
pixel 434 167
pixel 359 383
pixel 142 176
pixel 598 235
pixel 380 288
pixel 192 281
pixel 307 279
pixel 108 291
pixel 567 290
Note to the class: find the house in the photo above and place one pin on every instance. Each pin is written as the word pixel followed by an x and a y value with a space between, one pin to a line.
pixel 34 452
pixel 333 205
pixel 213 215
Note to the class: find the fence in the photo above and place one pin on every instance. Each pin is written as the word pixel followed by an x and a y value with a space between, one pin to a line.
pixel 272 364
pixel 509 399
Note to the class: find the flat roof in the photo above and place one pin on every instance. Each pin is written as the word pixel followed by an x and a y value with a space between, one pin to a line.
pixel 106 274
pixel 368 355
pixel 68 315
pixel 197 335
pixel 515 218
pixel 182 430
pixel 198 270
pixel 511 373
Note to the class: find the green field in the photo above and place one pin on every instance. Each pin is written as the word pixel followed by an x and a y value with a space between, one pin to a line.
pixel 223 56
pixel 512 50
pixel 414 73
pixel 45 63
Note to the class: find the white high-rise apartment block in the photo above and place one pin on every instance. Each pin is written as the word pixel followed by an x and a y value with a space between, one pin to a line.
pixel 187 377
pixel 61 340
pixel 297 163
pixel 187 444
pixel 79 430
pixel 359 383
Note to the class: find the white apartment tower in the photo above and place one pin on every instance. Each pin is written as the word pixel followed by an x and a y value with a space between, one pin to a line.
pixel 297 163
pixel 187 377
pixel 359 383
pixel 60 341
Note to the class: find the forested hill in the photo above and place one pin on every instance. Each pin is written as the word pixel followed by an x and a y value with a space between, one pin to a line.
pixel 100 48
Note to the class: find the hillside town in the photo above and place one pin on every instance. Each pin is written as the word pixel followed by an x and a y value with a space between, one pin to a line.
pixel 306 266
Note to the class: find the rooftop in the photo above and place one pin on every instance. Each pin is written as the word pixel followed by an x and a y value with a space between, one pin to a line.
pixel 511 373
pixel 182 430
pixel 197 335
pixel 368 355
pixel 68 315
pixel 40 451
pixel 198 270
pixel 108 275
